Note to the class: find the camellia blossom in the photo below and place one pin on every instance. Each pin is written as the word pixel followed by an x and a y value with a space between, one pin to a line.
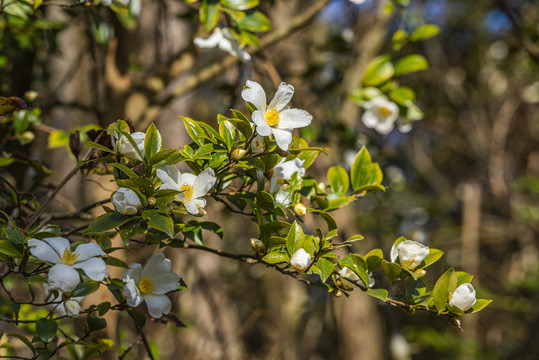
pixel 411 254
pixel 257 145
pixel 380 114
pixel 62 307
pixel 224 40
pixel 276 118
pixel 192 187
pixel 126 201
pixel 126 149
pixel 348 276
pixel 301 260
pixel 463 297
pixel 63 276
pixel 150 284
pixel 284 171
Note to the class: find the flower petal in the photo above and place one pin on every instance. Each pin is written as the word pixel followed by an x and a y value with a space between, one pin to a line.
pixel 86 251
pixel 133 296
pixel 63 278
pixel 282 97
pixel 369 119
pixel 193 207
pixel 157 304
pixel 94 268
pixel 204 182
pixel 169 175
pixel 283 138
pixel 255 95
pixel 187 178
pixel 133 273
pixel 164 283
pixel 59 244
pixel 211 41
pixel 156 266
pixel 294 118
pixel 43 251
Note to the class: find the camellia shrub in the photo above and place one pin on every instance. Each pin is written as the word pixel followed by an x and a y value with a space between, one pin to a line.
pixel 253 165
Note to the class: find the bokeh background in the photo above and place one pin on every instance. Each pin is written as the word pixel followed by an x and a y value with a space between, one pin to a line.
pixel 464 180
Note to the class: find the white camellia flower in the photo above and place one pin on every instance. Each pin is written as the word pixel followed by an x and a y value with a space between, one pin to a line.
pixel 411 254
pixel 63 276
pixel 126 149
pixel 192 187
pixel 301 260
pixel 284 171
pixel 463 297
pixel 276 118
pixel 224 40
pixel 126 201
pixel 257 145
pixel 70 306
pixel 380 114
pixel 347 275
pixel 150 284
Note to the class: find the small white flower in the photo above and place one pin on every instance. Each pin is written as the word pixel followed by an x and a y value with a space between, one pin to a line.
pixel 348 277
pixel 380 114
pixel 224 40
pixel 150 284
pixel 126 201
pixel 257 145
pixel 62 307
pixel 126 149
pixel 411 254
pixel 463 297
pixel 300 209
pixel 192 187
pixel 63 276
pixel 276 118
pixel 301 260
pixel 284 171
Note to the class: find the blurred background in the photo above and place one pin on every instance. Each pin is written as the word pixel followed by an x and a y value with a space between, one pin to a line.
pixel 465 179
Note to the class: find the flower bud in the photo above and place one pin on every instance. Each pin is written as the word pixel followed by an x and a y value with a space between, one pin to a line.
pixel 258 145
pixel 300 209
pixel 257 245
pixel 347 276
pixel 126 201
pixel 72 307
pixel 282 153
pixel 321 187
pixel 337 293
pixel 411 254
pixel 201 212
pixel 126 149
pixel 301 260
pixel 463 297
pixel 151 201
pixel 238 154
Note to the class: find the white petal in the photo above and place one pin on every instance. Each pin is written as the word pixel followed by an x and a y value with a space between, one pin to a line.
pixel 283 138
pixel 255 95
pixel 133 273
pixel 63 278
pixel 59 244
pixel 227 46
pixel 300 260
pixel 157 304
pixel 132 293
pixel 294 118
pixel 164 283
pixel 274 186
pixel 211 41
pixel 193 207
pixel 94 268
pixel 262 127
pixel 157 265
pixel 86 251
pixel 187 178
pixel 369 120
pixel 204 182
pixel 169 175
pixel 282 97
pixel 43 251
pixel 385 128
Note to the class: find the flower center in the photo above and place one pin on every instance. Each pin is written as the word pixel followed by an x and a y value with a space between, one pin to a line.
pixel 68 258
pixel 187 191
pixel 271 117
pixel 145 285
pixel 385 111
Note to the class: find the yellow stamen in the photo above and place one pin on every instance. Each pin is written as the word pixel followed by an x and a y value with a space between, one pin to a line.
pixel 187 191
pixel 271 117
pixel 68 258
pixel 385 111
pixel 145 285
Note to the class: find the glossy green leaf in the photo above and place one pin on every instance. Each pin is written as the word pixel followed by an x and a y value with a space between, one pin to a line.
pixel 255 22
pixel 107 222
pixel 364 172
pixel 380 294
pixel 374 259
pixel 325 268
pixel 463 277
pixel 425 32
pixel 295 238
pixel 209 14
pixel 338 180
pixel 392 270
pixel 196 133
pixel 240 4
pixel 95 323
pixel 378 71
pixel 8 248
pixel 445 284
pixel 152 142
pixel 276 257
pixel 411 63
pixel 479 305
pixel 46 329
pixel 158 221
pixel 402 94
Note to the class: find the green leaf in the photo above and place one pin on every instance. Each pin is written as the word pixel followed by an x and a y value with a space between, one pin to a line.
pixel 325 268
pixel 338 180
pixel 152 142
pixel 411 63
pixel 112 261
pixel 158 221
pixel 213 227
pixel 402 94
pixel 125 170
pixel 330 221
pixel 276 257
pixel 392 270
pixel 193 231
pixel 162 155
pixel 374 259
pixel 378 71
pixel 209 14
pixel 463 277
pixel 425 32
pixel 380 294
pixel 37 3
pixel 240 4
pixel 194 130
pixel 8 248
pixel 103 308
pixel 97 146
pixel 364 172
pixel 479 305
pixel 95 323
pixel 433 256
pixel 139 319
pixel 46 329
pixel 86 288
pixel 255 22
pixel 358 265
pixel 58 138
pixel 445 284
pixel 295 238
pixel 107 222
pixel 95 348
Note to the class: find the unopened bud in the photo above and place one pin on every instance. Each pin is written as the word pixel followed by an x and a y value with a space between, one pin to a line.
pixel 238 154
pixel 201 212
pixel 337 293
pixel 257 145
pixel 282 152
pixel 301 260
pixel 300 209
pixel 421 272
pixel 455 322
pixel 257 245
pixel 321 187
pixel 151 201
